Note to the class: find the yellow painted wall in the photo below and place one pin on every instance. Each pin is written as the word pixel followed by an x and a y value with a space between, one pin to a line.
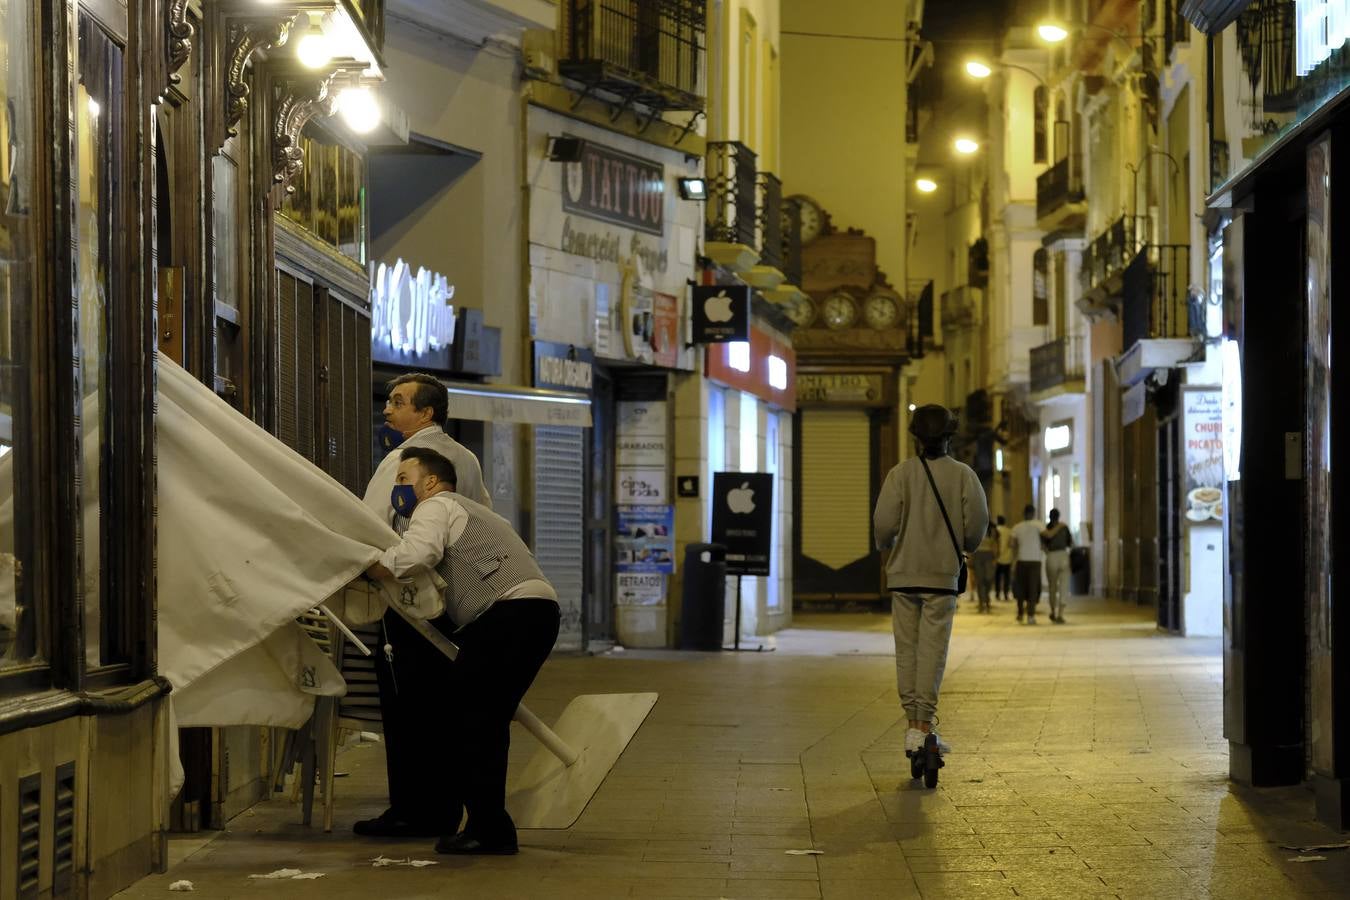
pixel 843 116
pixel 743 82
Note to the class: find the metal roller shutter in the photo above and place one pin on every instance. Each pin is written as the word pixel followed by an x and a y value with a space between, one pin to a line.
pixel 287 423
pixel 559 504
pixel 336 401
pixel 836 514
pixel 306 413
pixel 351 422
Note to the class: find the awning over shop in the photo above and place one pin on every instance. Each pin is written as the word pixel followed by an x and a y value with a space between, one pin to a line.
pixel 519 405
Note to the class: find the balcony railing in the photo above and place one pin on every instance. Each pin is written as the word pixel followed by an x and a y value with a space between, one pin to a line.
pixel 792 240
pixel 1156 294
pixel 1055 363
pixel 646 51
pixel 733 187
pixel 1060 184
pixel 1108 255
pixel 770 220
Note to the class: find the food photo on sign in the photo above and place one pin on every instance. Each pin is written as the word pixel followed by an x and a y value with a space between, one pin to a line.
pixel 1203 428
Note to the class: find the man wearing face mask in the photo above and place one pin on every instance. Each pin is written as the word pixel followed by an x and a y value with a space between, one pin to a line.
pixel 410 671
pixel 505 618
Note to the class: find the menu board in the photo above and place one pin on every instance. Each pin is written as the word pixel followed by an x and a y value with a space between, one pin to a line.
pixel 1202 433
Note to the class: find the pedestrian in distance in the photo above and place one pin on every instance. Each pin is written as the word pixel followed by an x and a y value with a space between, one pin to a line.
pixel 983 566
pixel 412 674
pixel 1057 540
pixel 1003 569
pixel 930 512
pixel 501 611
pixel 1026 542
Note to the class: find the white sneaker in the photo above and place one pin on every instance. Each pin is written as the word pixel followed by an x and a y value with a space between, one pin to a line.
pixel 913 740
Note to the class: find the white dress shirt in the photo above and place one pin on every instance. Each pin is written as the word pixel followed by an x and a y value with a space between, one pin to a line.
pixel 468 471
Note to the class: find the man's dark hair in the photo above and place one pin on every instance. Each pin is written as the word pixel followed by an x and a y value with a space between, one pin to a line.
pixel 1029 512
pixel 1002 521
pixel 1054 516
pixel 429 393
pixel 433 464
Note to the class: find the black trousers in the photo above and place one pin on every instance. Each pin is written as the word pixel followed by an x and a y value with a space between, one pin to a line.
pixel 1027 586
pixel 1002 580
pixel 500 653
pixel 416 696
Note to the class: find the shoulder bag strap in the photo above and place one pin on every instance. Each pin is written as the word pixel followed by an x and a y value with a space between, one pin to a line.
pixel 951 532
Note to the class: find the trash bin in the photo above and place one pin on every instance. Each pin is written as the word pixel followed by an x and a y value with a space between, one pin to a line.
pixel 704 599
pixel 1080 571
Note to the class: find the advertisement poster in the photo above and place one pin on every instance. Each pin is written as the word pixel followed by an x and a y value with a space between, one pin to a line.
pixel 665 329
pixel 640 464
pixel 1202 432
pixel 742 520
pixel 637 589
pixel 644 539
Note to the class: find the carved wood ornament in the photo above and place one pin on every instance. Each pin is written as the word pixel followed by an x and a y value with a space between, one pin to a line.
pixel 244 37
pixel 298 96
pixel 179 33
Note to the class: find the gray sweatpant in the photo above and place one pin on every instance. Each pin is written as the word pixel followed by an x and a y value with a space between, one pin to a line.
pixel 923 632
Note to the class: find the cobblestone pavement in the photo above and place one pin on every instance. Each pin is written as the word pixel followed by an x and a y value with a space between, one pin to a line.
pixel 1088 761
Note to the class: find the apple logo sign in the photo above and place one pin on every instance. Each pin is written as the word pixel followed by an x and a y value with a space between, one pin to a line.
pixel 741 500
pixel 718 307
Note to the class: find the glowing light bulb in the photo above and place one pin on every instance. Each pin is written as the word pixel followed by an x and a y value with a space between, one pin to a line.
pixel 925 185
pixel 966 146
pixel 358 109
pixel 977 69
pixel 313 50
pixel 1052 32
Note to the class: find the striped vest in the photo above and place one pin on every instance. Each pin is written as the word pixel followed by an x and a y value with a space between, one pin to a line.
pixel 485 564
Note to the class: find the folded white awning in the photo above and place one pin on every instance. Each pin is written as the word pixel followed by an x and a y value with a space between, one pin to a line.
pixel 519 405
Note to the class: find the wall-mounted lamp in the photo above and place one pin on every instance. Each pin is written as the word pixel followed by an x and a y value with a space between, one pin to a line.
pixel 1052 32
pixel 565 149
pixel 925 185
pixel 966 146
pixel 693 188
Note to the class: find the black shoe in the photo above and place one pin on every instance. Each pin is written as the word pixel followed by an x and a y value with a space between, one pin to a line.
pixel 388 825
pixel 465 844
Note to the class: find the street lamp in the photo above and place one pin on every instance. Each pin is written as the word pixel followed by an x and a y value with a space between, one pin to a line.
pixel 1052 32
pixel 966 146
pixel 977 69
pixel 925 185
pixel 980 70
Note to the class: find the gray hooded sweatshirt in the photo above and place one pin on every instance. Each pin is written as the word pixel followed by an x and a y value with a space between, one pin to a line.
pixel 909 523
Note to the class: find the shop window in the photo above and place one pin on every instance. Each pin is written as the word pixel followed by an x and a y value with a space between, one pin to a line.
pixel 19 617
pixel 329 197
pixel 100 257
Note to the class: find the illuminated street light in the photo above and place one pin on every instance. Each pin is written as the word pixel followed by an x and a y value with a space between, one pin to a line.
pixel 925 185
pixel 314 49
pixel 358 109
pixel 977 69
pixel 1052 32
pixel 965 146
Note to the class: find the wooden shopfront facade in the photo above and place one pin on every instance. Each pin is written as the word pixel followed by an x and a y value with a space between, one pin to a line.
pixel 145 167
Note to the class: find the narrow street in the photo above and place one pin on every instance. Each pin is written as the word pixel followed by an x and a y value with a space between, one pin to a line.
pixel 1088 760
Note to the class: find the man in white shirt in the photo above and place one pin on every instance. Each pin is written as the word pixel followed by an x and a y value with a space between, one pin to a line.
pixel 505 618
pixel 1026 541
pixel 410 672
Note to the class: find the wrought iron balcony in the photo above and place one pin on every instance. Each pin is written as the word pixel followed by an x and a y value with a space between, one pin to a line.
pixel 1155 296
pixel 770 220
pixel 958 308
pixel 1105 259
pixel 1056 364
pixel 644 51
pixel 1059 195
pixel 732 208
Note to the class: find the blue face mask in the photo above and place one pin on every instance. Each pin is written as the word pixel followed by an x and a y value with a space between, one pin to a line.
pixel 389 437
pixel 404 499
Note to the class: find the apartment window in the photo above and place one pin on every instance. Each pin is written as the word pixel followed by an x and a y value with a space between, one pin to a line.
pixel 1041 126
pixel 1040 299
pixel 1061 296
pixel 749 70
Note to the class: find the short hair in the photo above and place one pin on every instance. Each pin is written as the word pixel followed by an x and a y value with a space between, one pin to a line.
pixel 429 393
pixel 432 463
pixel 1054 515
pixel 1002 521
pixel 1030 511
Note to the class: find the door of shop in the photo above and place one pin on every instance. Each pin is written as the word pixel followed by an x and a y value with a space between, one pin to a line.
pixel 837 477
pixel 1171 560
pixel 598 624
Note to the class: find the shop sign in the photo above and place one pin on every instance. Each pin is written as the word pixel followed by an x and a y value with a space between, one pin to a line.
pixel 641 452
pixel 479 348
pixel 665 339
pixel 1058 438
pixel 636 589
pixel 644 539
pixel 1202 428
pixel 412 321
pixel 1322 27
pixel 765 366
pixel 742 520
pixel 687 485
pixel 721 313
pixel 840 387
pixel 616 187
pixel 563 367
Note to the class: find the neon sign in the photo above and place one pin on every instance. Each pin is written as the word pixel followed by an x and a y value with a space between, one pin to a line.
pixel 1322 27
pixel 411 313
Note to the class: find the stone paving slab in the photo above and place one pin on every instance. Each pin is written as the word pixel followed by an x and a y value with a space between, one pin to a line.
pixel 1089 762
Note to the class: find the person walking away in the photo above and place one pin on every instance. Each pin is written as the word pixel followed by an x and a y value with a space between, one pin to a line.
pixel 1058 541
pixel 1003 570
pixel 983 566
pixel 410 672
pixel 930 511
pixel 505 618
pixel 1026 541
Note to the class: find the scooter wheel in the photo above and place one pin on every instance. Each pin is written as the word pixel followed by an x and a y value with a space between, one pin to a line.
pixel 932 760
pixel 917 764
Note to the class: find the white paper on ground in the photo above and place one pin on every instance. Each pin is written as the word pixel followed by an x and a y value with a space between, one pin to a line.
pixel 279 873
pixel 183 885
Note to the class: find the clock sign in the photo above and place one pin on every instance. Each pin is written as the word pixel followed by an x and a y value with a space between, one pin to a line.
pixel 743 520
pixel 721 313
